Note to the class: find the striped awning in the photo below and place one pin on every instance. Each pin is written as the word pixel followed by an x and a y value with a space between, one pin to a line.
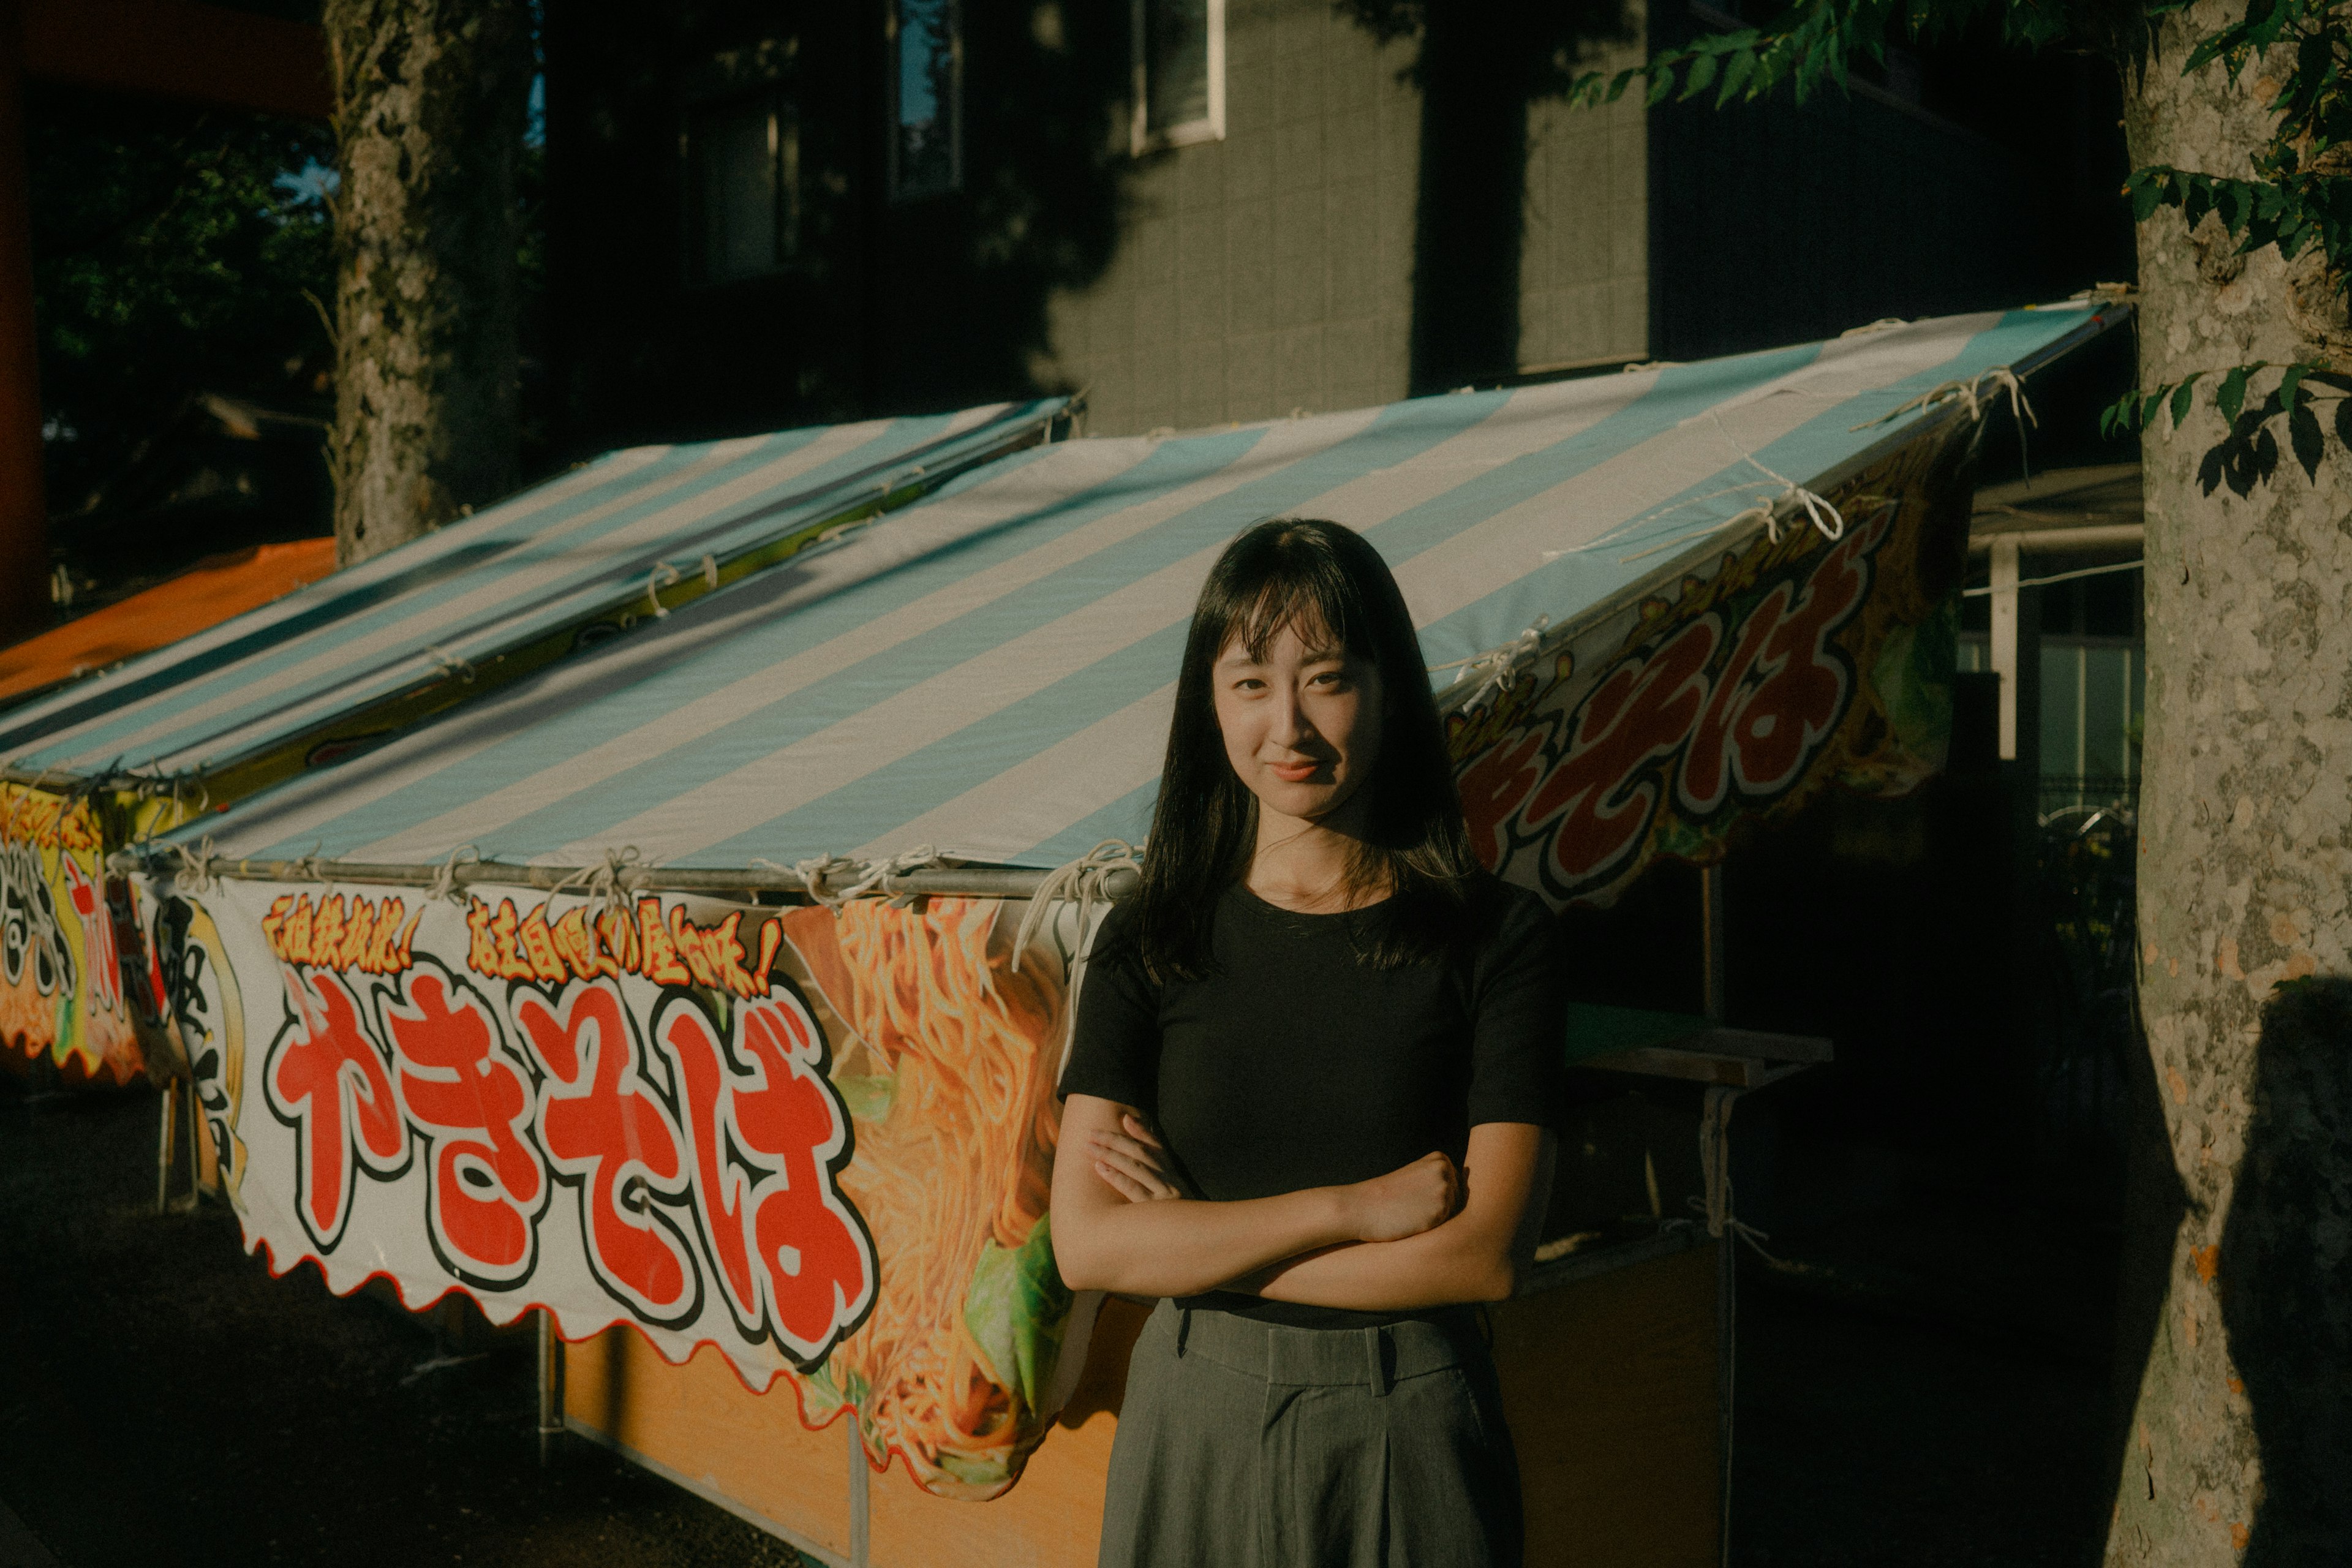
pixel 496 595
pixel 988 673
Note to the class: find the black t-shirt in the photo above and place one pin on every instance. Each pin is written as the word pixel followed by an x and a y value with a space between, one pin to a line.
pixel 1295 1065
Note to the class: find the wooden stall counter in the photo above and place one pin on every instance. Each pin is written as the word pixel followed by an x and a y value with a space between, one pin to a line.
pixel 1609 1369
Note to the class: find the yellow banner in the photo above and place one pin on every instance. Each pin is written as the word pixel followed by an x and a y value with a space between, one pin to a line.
pixel 74 985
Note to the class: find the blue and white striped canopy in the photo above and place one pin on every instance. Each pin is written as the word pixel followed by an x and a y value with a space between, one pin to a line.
pixel 588 543
pixel 989 673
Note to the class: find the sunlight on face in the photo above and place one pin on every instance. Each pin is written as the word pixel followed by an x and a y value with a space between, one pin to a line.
pixel 1302 726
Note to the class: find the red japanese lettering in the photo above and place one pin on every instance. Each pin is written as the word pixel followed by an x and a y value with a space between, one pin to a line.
pixel 790 1256
pixel 325 1080
pixel 1786 690
pixel 1602 792
pixel 1493 787
pixel 98 945
pixel 604 1132
pixel 484 1184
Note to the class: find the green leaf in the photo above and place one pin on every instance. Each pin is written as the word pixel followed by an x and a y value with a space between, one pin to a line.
pixel 1742 66
pixel 2147 194
pixel 1662 82
pixel 869 1098
pixel 2239 197
pixel 2181 399
pixel 2233 395
pixel 2343 420
pixel 1702 71
pixel 2291 382
pixel 1017 1309
pixel 2303 434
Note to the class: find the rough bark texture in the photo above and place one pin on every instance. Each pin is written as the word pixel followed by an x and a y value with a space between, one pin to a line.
pixel 430 100
pixel 2240 1238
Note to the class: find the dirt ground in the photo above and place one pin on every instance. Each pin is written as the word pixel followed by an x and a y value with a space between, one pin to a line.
pixel 163 1401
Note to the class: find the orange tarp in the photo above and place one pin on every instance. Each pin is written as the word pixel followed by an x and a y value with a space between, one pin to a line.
pixel 205 595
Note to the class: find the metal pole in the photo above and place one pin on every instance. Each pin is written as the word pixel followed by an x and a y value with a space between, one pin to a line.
pixel 164 1135
pixel 1710 893
pixel 551 1386
pixel 2004 639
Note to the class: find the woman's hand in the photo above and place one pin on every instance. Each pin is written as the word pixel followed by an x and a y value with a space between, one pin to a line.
pixel 1407 1201
pixel 1131 1161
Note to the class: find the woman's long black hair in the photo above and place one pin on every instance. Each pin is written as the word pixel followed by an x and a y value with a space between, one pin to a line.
pixel 1316 576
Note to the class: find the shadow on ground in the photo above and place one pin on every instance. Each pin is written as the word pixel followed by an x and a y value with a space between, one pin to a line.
pixel 163 1401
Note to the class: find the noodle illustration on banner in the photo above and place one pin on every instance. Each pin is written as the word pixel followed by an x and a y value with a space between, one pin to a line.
pixel 820 1139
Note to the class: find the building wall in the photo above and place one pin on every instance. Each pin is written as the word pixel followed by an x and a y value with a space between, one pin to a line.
pixel 1584 280
pixel 1268 272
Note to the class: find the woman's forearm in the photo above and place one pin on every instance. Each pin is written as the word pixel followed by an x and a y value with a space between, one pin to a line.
pixel 1474 1256
pixel 1453 1263
pixel 1183 1246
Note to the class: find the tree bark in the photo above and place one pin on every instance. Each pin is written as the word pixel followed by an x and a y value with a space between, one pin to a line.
pixel 430 100
pixel 2239 1225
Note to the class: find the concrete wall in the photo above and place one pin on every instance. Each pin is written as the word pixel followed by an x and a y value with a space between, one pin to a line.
pixel 1584 280
pixel 1271 271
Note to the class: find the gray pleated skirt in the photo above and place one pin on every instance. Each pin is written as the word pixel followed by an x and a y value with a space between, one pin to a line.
pixel 1245 1444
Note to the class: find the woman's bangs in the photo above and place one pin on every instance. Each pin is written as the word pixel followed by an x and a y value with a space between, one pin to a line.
pixel 1313 604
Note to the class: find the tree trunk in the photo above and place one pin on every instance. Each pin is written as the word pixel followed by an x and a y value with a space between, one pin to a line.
pixel 430 98
pixel 2237 1352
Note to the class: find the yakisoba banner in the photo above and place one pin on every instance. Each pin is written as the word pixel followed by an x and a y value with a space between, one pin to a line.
pixel 818 1138
pixel 1798 663
pixel 71 967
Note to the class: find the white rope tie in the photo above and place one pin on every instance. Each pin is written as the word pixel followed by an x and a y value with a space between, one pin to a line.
pixel 810 873
pixel 710 572
pixel 1971 392
pixel 1085 881
pixel 877 872
pixel 444 881
pixel 1715 1173
pixel 1498 667
pixel 816 875
pixel 194 871
pixel 662 577
pixel 608 884
pixel 448 664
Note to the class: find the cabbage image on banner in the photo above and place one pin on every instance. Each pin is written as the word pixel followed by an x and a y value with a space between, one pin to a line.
pixel 820 1139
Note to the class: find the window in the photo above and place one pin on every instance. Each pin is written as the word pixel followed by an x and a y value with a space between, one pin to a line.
pixel 926 99
pixel 743 187
pixel 1179 72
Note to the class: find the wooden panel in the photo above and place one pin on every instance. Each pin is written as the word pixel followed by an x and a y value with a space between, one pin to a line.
pixel 1609 1383
pixel 175 48
pixel 702 1422
pixel 1053 1518
pixel 1609 1386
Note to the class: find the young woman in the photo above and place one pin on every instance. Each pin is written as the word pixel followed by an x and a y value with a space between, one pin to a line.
pixel 1306 1101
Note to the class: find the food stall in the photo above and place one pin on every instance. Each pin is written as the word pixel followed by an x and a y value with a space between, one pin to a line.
pixel 332 668
pixel 706 995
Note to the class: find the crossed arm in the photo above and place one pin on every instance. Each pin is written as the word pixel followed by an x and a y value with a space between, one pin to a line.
pixel 1422 1236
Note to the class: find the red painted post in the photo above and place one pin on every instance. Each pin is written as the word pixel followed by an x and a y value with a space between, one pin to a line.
pixel 24 517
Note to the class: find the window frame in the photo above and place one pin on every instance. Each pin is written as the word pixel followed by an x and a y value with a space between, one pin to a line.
pixel 1211 127
pixel 894 74
pixel 784 155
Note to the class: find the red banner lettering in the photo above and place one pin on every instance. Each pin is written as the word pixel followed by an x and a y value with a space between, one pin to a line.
pixel 484 1184
pixel 791 1259
pixel 325 1080
pixel 605 1134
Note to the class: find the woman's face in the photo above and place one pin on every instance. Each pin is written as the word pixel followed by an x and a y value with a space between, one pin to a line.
pixel 1302 726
